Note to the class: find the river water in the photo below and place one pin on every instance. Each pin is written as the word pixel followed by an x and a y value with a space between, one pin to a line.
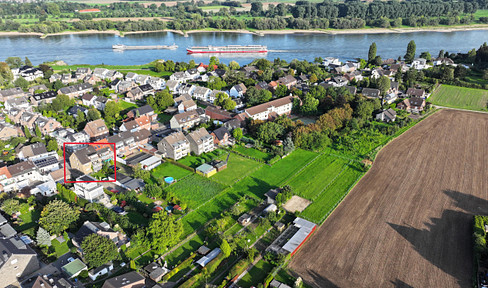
pixel 96 48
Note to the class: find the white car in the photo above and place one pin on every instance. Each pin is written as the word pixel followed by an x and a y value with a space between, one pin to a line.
pixel 70 259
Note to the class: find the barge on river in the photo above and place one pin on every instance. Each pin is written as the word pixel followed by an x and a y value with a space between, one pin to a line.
pixel 228 49
pixel 153 47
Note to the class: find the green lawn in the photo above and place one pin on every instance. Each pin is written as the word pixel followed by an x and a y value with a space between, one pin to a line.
pixel 60 248
pixel 195 190
pixel 460 97
pixel 167 169
pixel 29 218
pixel 184 251
pixel 254 185
pixel 251 152
pixel 480 13
pixel 164 118
pixel 237 167
pixel 327 200
pixel 195 161
pixel 137 218
pixel 126 105
pixel 256 275
pixel 317 176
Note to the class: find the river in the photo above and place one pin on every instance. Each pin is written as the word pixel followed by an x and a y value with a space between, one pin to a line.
pixel 96 48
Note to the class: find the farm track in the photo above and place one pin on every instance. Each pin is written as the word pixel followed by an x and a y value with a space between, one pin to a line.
pixel 407 223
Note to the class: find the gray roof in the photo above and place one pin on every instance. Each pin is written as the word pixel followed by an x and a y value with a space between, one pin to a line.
pixel 143 110
pixel 123 280
pixel 11 92
pixel 7 231
pixel 13 246
pixel 21 168
pixel 76 88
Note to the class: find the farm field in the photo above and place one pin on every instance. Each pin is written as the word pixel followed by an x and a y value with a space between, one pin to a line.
pixel 407 223
pixel 237 167
pixel 460 97
pixel 195 190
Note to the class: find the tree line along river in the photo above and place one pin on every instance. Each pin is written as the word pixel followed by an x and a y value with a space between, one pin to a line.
pixel 97 48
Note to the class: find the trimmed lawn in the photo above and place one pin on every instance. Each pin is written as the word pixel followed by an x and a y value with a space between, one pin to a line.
pixel 195 161
pixel 285 168
pixel 60 248
pixel 126 105
pixel 167 169
pixel 237 167
pixel 330 197
pixel 164 118
pixel 251 152
pixel 460 97
pixel 257 274
pixel 195 190
pixel 137 218
pixel 316 176
pixel 184 251
pixel 29 218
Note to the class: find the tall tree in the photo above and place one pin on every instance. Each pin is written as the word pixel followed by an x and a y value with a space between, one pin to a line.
pixel 27 61
pixel 52 145
pixel 372 52
pixel 237 134
pixel 10 206
pixel 98 250
pixel 93 114
pixel 57 216
pixel 384 84
pixel 410 55
pixel 164 231
pixel 225 247
pixel 21 82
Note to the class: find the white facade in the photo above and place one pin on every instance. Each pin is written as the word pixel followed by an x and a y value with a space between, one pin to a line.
pixel 90 191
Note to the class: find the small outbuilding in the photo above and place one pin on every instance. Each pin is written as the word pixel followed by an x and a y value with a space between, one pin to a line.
pixel 203 250
pixel 206 170
pixel 209 257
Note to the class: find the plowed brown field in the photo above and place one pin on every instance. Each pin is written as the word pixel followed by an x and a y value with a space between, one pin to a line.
pixel 407 223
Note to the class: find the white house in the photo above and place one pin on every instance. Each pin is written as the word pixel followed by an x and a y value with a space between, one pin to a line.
pixel 202 93
pixel 238 91
pixel 420 63
pixel 281 106
pixel 91 191
pixel 331 61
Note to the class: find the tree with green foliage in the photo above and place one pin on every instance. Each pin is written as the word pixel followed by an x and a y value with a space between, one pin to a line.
pixel 269 131
pixel 21 82
pixel 309 105
pixel 153 190
pixel 111 112
pixel 27 133
pixel 141 173
pixel 38 131
pixel 365 109
pixel 14 62
pixel 10 206
pixel 57 216
pixel 98 250
pixel 288 145
pixel 163 99
pixel 225 248
pixel 52 145
pixel 216 83
pixel 43 238
pixel 164 231
pixel 255 96
pixel 372 52
pixel 426 56
pixel 27 61
pixel 281 91
pixel 384 84
pixel 410 55
pixel 233 65
pixel 93 114
pixel 62 103
pixel 237 134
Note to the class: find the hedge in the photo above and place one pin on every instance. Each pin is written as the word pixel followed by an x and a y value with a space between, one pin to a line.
pixel 180 267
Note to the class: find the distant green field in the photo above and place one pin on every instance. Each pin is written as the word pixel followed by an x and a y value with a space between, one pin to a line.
pixel 237 167
pixel 312 180
pixel 330 197
pixel 460 97
pixel 195 190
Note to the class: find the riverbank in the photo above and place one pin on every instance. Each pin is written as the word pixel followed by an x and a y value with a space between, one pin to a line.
pixel 267 32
